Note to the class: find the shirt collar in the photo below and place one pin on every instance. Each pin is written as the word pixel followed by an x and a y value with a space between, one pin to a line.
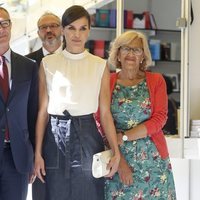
pixel 45 52
pixel 7 55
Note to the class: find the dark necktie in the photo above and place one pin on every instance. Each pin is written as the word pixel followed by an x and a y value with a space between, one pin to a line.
pixel 4 84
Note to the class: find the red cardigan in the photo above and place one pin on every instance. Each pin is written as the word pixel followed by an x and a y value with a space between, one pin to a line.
pixel 159 106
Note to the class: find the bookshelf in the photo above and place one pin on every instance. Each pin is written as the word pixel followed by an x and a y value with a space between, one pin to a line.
pixel 170 58
pixel 166 57
pixel 166 34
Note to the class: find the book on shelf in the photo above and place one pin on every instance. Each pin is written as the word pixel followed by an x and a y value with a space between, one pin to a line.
pixel 107 18
pixel 175 51
pixel 102 17
pixel 165 51
pixel 144 20
pixel 112 20
pixel 152 21
pixel 128 19
pixel 147 19
pixel 138 20
pixel 99 47
pixel 154 46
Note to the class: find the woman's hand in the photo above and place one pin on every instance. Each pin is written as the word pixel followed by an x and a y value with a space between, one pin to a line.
pixel 119 138
pixel 113 165
pixel 39 167
pixel 32 177
pixel 125 172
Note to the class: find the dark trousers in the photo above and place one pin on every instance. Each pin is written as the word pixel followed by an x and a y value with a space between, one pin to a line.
pixel 38 190
pixel 13 185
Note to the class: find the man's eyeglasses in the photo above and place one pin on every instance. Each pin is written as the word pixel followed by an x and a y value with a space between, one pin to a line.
pixel 51 26
pixel 136 51
pixel 5 23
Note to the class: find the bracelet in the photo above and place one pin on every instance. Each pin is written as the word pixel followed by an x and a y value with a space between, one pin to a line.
pixel 124 136
pixel 123 132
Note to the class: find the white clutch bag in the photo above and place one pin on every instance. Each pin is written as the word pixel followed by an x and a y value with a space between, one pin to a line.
pixel 99 163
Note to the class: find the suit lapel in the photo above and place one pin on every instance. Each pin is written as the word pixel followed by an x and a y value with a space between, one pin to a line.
pixel 13 57
pixel 13 65
pixel 40 55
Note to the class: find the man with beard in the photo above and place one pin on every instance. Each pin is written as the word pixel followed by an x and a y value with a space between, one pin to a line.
pixel 49 31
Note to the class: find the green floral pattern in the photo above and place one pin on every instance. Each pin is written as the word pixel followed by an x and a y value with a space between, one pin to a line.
pixel 152 176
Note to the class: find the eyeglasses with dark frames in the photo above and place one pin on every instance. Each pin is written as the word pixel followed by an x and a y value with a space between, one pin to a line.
pixel 44 27
pixel 135 50
pixel 5 23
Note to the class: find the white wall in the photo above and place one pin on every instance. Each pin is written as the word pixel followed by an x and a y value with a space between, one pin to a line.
pixel 180 169
pixel 194 179
pixel 194 62
pixel 186 176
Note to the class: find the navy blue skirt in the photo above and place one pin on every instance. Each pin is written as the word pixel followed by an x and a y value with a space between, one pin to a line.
pixel 69 145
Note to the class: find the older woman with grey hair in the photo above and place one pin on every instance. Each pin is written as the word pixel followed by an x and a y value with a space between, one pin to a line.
pixel 139 109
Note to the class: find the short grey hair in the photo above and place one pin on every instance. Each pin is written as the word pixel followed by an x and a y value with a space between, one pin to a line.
pixel 47 14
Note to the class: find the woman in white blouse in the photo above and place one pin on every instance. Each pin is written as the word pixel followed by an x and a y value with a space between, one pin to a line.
pixel 73 84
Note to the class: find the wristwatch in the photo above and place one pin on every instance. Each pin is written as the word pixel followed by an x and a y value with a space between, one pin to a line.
pixel 124 137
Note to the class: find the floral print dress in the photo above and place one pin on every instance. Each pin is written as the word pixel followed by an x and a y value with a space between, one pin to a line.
pixel 152 176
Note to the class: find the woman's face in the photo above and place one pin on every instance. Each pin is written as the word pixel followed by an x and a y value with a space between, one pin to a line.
pixel 131 55
pixel 76 35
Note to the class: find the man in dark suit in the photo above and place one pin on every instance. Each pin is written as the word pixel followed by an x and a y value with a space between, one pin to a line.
pixel 18 112
pixel 49 31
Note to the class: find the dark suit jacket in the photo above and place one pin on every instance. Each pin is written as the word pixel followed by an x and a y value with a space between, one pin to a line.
pixel 36 55
pixel 20 111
